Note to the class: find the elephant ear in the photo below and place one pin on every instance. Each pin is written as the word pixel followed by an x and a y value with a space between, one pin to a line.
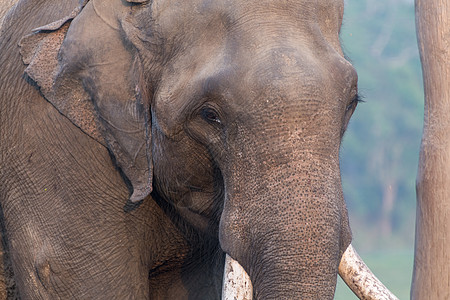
pixel 84 69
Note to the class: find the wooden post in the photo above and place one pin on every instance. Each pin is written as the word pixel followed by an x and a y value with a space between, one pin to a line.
pixel 431 277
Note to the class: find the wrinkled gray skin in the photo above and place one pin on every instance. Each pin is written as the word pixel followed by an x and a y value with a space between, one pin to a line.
pixel 5 6
pixel 231 112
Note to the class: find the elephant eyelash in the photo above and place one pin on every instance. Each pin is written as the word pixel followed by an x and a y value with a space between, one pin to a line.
pixel 357 99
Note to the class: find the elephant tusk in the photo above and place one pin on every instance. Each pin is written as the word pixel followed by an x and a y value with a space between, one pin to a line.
pixel 360 279
pixel 354 272
pixel 236 282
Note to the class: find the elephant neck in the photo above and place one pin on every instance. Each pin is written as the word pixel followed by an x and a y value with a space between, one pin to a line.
pixel 199 259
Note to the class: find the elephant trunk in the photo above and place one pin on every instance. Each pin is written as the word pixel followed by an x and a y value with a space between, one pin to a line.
pixel 289 236
pixel 354 272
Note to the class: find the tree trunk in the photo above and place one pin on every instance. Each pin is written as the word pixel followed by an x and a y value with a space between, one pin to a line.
pixel 431 278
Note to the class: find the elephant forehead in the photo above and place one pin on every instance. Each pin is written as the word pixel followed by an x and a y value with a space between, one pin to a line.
pixel 248 50
pixel 301 18
pixel 186 21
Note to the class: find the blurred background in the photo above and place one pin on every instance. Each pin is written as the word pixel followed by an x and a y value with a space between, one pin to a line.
pixel 380 151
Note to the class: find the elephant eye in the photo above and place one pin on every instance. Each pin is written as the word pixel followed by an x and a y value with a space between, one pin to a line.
pixel 352 105
pixel 210 115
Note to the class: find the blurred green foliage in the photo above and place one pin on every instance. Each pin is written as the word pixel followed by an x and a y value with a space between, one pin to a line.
pixel 380 150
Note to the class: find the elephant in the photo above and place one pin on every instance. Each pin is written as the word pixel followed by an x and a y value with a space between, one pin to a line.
pixel 4 7
pixel 143 141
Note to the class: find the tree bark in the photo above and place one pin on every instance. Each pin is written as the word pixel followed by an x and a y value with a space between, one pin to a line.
pixel 431 277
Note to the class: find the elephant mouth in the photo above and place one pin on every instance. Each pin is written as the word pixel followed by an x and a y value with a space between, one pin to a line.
pixel 352 269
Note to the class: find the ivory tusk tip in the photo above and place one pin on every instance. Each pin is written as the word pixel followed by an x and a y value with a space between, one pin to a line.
pixel 360 279
pixel 236 282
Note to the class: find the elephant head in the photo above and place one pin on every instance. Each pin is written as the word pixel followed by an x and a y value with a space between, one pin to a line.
pixel 231 112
